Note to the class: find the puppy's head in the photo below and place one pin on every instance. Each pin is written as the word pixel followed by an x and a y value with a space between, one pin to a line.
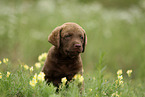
pixel 70 38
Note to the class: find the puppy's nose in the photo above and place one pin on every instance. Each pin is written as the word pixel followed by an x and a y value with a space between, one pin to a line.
pixel 77 45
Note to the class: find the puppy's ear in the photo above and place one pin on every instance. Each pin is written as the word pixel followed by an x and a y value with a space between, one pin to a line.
pixel 55 37
pixel 85 42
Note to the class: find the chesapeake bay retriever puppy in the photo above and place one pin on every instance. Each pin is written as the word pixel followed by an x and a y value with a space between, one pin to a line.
pixel 63 59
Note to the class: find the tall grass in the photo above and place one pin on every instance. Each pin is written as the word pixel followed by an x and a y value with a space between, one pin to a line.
pixel 17 83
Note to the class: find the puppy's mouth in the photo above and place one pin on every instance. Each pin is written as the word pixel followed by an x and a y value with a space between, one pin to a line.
pixel 73 52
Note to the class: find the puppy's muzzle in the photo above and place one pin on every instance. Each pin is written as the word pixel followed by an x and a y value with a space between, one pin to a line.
pixel 77 46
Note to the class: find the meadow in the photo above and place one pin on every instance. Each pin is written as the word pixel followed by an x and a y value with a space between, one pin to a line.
pixel 29 82
pixel 116 43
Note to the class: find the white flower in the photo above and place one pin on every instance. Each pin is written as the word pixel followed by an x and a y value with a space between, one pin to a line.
pixel 63 80
pixel 120 77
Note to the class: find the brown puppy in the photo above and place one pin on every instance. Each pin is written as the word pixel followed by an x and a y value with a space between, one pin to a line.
pixel 63 59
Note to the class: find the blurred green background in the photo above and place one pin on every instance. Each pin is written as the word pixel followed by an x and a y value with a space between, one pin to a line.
pixel 113 27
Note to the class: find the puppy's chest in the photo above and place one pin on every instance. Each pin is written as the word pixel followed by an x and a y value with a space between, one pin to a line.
pixel 69 67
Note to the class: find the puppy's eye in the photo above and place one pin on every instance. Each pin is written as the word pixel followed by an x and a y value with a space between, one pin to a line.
pixel 67 36
pixel 81 37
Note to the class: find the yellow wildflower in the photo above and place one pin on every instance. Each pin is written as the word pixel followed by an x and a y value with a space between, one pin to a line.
pixel 37 65
pixel 75 77
pixel 115 94
pixel 97 95
pixel 35 76
pixel 120 82
pixel 8 74
pixel 90 90
pixel 116 81
pixel 42 57
pixel 129 72
pixel 26 67
pixel 79 77
pixel 5 60
pixel 33 83
pixel 104 93
pixel 41 76
pixel 0 75
pixel 63 80
pixel 120 77
pixel 119 72
pixel 31 69
pixel 94 78
pixel 0 62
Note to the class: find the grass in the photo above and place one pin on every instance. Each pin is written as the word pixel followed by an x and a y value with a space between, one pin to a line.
pixel 119 33
pixel 17 83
